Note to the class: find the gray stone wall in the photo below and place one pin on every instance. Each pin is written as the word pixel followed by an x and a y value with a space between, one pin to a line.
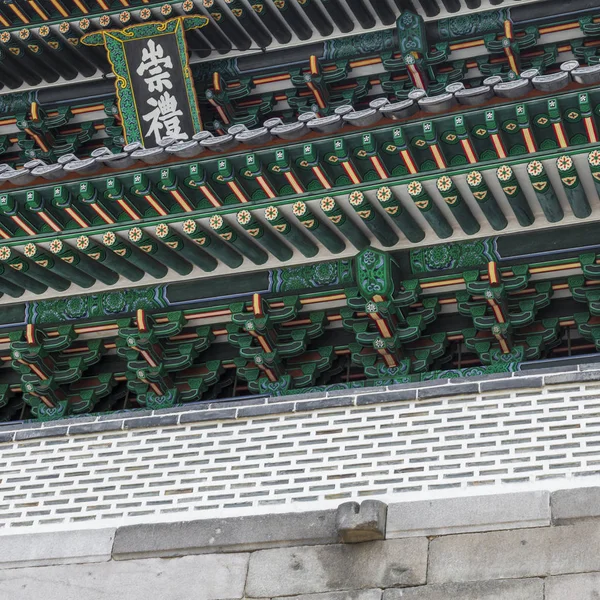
pixel 514 546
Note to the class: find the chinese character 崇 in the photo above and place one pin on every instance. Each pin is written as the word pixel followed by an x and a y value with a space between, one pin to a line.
pixel 153 63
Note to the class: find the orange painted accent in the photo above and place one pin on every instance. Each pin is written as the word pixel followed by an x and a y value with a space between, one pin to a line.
pixel 216 79
pixel 432 284
pixel 554 28
pixel 437 155
pixel 381 170
pixel 76 217
pixel 81 6
pixel 37 138
pixel 464 45
pixel 272 79
pixel 237 191
pixel 493 274
pixel 102 213
pixel 140 315
pixel 37 371
pixel 317 94
pixel 181 201
pixel 264 344
pixel 23 225
pixel 61 9
pixel 410 165
pixel 102 4
pixel 155 205
pixel 512 61
pixel 4 235
pixel 550 268
pixel 257 307
pixel 209 196
pixel 529 141
pixel 500 151
pixel 321 177
pixel 19 13
pixel 49 221
pixel 351 172
pixel 30 333
pixel 320 299
pixel 8 122
pixel 294 183
pixel 560 135
pixel 314 65
pixel 4 21
pixel 39 10
pixel 468 150
pixel 148 358
pixel 86 109
pixel 354 64
pixel 128 209
pixel 590 128
pixel 266 187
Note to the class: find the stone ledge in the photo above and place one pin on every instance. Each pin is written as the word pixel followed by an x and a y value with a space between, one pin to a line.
pixel 515 554
pixel 238 534
pixel 516 589
pixel 56 548
pixel 315 569
pixel 575 504
pixel 261 405
pixel 468 514
pixel 208 577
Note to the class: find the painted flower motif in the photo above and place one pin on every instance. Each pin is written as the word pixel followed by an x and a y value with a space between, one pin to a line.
pixel 5 36
pixel 384 194
pixel 64 27
pixel 44 30
pixel 24 34
pixel 216 221
pixel 504 173
pixel 166 9
pixel 371 307
pixel 356 198
pixel 84 24
pixel 244 217
pixel 594 158
pixel 271 213
pixel 29 250
pixel 564 163
pixel 105 20
pixel 124 17
pixel 83 241
pixel 188 5
pixel 474 178
pixel 162 230
pixel 444 183
pixel 135 234
pixel 145 13
pixel 299 208
pixel 415 188
pixel 189 226
pixel 4 253
pixel 379 344
pixel 109 238
pixel 327 204
pixel 56 246
pixel 535 168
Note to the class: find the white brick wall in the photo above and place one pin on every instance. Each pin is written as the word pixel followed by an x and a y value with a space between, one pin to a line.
pixel 299 460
